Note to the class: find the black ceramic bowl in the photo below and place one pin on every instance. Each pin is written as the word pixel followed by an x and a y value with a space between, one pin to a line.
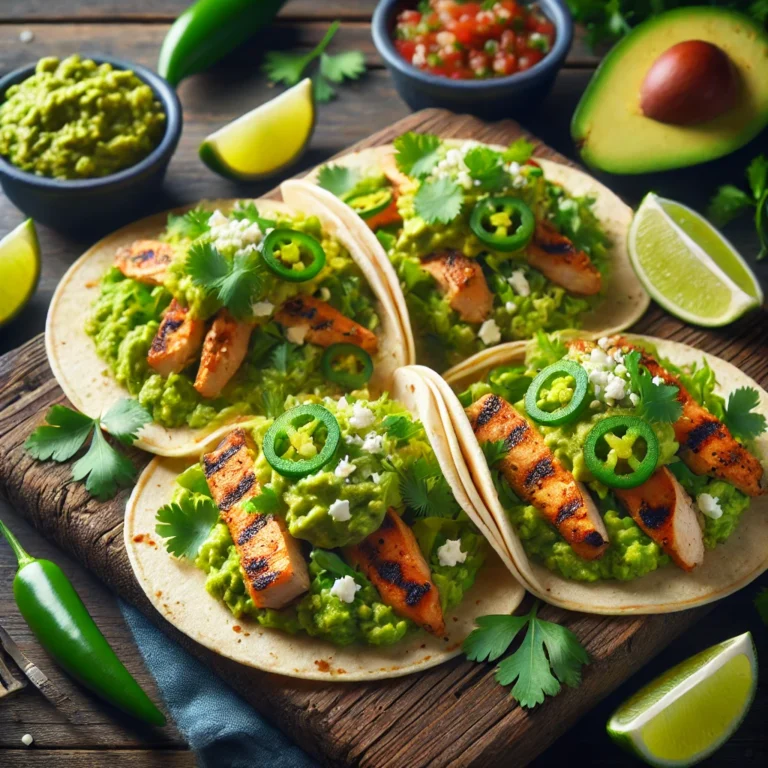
pixel 95 205
pixel 493 98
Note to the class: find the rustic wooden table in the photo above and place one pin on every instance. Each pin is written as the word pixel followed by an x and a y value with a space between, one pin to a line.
pixel 133 29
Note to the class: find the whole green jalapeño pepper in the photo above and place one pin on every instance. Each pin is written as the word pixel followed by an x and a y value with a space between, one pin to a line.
pixel 61 623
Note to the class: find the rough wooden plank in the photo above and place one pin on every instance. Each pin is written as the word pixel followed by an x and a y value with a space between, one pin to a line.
pixel 76 758
pixel 472 721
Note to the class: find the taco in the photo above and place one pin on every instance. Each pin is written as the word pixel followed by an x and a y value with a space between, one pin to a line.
pixel 334 542
pixel 219 313
pixel 489 244
pixel 624 475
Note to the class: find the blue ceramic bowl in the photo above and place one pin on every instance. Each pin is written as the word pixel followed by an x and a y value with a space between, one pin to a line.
pixel 493 98
pixel 90 206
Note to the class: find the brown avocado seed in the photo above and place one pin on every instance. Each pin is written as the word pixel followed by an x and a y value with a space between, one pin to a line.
pixel 691 82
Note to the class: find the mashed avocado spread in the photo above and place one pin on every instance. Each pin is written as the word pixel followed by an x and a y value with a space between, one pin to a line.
pixel 125 317
pixel 383 461
pixel 75 119
pixel 631 552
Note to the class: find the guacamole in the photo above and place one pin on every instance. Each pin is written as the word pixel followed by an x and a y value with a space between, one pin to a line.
pixel 631 553
pixel 75 119
pixel 127 314
pixel 390 458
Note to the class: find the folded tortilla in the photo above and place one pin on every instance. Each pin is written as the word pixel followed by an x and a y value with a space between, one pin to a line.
pixel 84 376
pixel 176 588
pixel 727 568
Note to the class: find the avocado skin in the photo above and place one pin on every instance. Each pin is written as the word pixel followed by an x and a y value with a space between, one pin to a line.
pixel 640 145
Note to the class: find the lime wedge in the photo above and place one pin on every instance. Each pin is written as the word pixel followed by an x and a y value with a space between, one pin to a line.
pixel 19 269
pixel 687 266
pixel 688 712
pixel 264 140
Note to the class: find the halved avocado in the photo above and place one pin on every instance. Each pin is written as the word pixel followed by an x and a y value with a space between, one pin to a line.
pixel 609 127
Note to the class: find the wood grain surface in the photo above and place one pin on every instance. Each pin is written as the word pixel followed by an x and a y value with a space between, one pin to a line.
pixel 472 721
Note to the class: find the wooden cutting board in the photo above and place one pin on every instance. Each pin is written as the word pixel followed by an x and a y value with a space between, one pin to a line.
pixel 455 714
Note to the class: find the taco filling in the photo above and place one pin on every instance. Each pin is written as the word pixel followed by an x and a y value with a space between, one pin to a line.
pixel 334 520
pixel 486 248
pixel 227 314
pixel 611 462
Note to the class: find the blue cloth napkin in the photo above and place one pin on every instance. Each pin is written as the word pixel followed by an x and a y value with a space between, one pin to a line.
pixel 219 726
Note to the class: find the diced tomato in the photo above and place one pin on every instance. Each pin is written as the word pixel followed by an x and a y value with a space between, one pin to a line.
pixel 406 48
pixel 410 17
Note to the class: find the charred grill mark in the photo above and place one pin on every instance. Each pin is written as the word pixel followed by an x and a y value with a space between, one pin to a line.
pixel 262 582
pixel 391 572
pixel 169 325
pixel 556 249
pixel 238 492
pixel 701 434
pixel 516 436
pixel 541 470
pixel 654 517
pixel 594 539
pixel 569 509
pixel 142 256
pixel 323 325
pixel 253 528
pixel 255 566
pixel 212 466
pixel 490 408
pixel 297 308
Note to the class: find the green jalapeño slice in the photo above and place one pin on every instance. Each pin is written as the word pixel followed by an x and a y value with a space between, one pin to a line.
pixel 616 443
pixel 286 252
pixel 503 223
pixel 291 443
pixel 567 412
pixel 347 365
pixel 370 204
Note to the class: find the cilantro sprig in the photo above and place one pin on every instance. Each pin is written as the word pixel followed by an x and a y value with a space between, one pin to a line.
pixel 425 490
pixel 658 402
pixel 739 413
pixel 730 202
pixel 103 468
pixel 401 427
pixel 438 200
pixel 416 153
pixel 191 224
pixel 338 179
pixel 288 68
pixel 548 656
pixel 186 525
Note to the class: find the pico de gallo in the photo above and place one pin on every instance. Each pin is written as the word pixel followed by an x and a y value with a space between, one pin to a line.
pixel 467 41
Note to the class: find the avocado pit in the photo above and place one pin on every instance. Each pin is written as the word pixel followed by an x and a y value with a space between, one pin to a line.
pixel 692 82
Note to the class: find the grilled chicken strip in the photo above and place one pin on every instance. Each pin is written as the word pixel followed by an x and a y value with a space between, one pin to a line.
pixel 224 350
pixel 177 340
pixel 325 325
pixel 145 260
pixel 538 478
pixel 273 568
pixel 666 513
pixel 463 281
pixel 556 257
pixel 706 444
pixel 390 557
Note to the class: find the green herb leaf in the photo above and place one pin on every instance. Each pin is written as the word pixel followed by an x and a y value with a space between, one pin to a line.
pixel 331 562
pixel 284 355
pixel 728 203
pixel 206 266
pixel 519 151
pixel 266 503
pixel 425 490
pixel 323 90
pixel 103 468
pixel 486 166
pixel 286 68
pixel 191 224
pixel 387 239
pixel 62 437
pixel 739 416
pixel 439 200
pixel 492 637
pixel 338 179
pixel 401 427
pixel 348 65
pixel 757 176
pixel 658 402
pixel 124 420
pixel 248 211
pixel 494 452
pixel 186 526
pixel 417 153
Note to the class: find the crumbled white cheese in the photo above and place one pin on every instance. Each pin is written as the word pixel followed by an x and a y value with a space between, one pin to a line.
pixel 598 358
pixel 354 440
pixel 238 234
pixel 218 219
pixel 709 505
pixel 599 377
pixel 362 417
pixel 339 511
pixel 27 739
pixel 618 356
pixel 657 380
pixel 342 403
pixel 376 477
pixel 616 388
pixel 603 343
pixel 345 589
pixel 489 332
pixel 262 308
pixel 519 283
pixel 297 334
pixel 373 443
pixel 634 398
pixel 510 306
pixel 620 369
pixel 325 293
pixel 450 553
pixel 344 468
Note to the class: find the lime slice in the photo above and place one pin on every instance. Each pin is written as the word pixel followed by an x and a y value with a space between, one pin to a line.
pixel 688 712
pixel 264 140
pixel 688 266
pixel 19 269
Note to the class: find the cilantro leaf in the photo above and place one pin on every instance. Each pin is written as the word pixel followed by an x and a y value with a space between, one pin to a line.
pixel 486 166
pixel 266 503
pixel 250 212
pixel 757 176
pixel 519 151
pixel 191 224
pixel 658 402
pixel 425 490
pixel 62 437
pixel 283 356
pixel 739 416
pixel 124 419
pixel 338 179
pixel 103 468
pixel 416 153
pixel 286 68
pixel 439 200
pixel 348 65
pixel 331 562
pixel 186 525
pixel 206 265
pixel 761 603
pixel 323 90
pixel 494 452
pixel 728 203
pixel 401 427
pixel 492 638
